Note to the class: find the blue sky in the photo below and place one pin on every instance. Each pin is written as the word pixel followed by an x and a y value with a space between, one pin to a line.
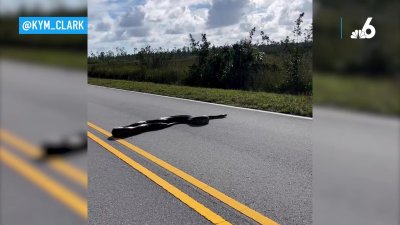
pixel 167 23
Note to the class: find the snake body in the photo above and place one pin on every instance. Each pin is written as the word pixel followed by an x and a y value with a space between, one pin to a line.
pixel 161 123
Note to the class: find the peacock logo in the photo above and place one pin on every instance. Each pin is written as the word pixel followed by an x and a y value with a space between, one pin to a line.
pixel 357 34
pixel 367 32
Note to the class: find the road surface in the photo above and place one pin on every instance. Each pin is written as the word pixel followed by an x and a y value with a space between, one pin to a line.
pixel 262 160
pixel 38 104
pixel 355 168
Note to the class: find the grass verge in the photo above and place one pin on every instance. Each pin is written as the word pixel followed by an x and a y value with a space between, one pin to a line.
pixel 52 57
pixel 290 104
pixel 357 93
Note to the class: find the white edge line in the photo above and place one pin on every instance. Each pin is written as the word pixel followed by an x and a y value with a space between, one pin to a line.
pixel 210 103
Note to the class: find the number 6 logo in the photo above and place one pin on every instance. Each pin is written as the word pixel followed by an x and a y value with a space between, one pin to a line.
pixel 363 34
pixel 368 26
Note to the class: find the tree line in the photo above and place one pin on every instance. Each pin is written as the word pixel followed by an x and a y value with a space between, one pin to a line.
pixel 265 65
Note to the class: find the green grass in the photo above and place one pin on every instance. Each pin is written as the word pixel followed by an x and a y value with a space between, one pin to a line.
pixel 283 103
pixel 357 93
pixel 60 58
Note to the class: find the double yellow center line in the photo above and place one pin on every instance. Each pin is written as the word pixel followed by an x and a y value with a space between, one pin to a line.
pixel 245 210
pixel 56 163
pixel 56 190
pixel 198 207
pixel 74 202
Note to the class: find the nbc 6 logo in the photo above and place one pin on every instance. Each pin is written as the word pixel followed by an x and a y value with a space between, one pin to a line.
pixel 367 32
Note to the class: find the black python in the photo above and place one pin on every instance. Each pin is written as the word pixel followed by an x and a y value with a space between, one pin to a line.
pixel 161 123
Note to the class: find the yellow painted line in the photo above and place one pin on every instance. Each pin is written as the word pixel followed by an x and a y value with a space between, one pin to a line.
pixel 198 207
pixel 56 163
pixel 249 212
pixel 72 172
pixel 22 145
pixel 54 189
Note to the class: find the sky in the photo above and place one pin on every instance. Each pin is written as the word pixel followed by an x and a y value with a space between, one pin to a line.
pixel 167 23
pixel 13 6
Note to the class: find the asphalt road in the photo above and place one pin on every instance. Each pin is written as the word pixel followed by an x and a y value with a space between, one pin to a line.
pixel 39 104
pixel 260 159
pixel 355 168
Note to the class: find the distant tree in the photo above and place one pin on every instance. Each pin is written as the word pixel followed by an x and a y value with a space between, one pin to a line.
pixel 264 37
pixel 102 55
pixel 308 36
pixel 120 51
pixel 297 31
pixel 193 43
pixel 251 33
pixel 293 83
pixel 110 54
